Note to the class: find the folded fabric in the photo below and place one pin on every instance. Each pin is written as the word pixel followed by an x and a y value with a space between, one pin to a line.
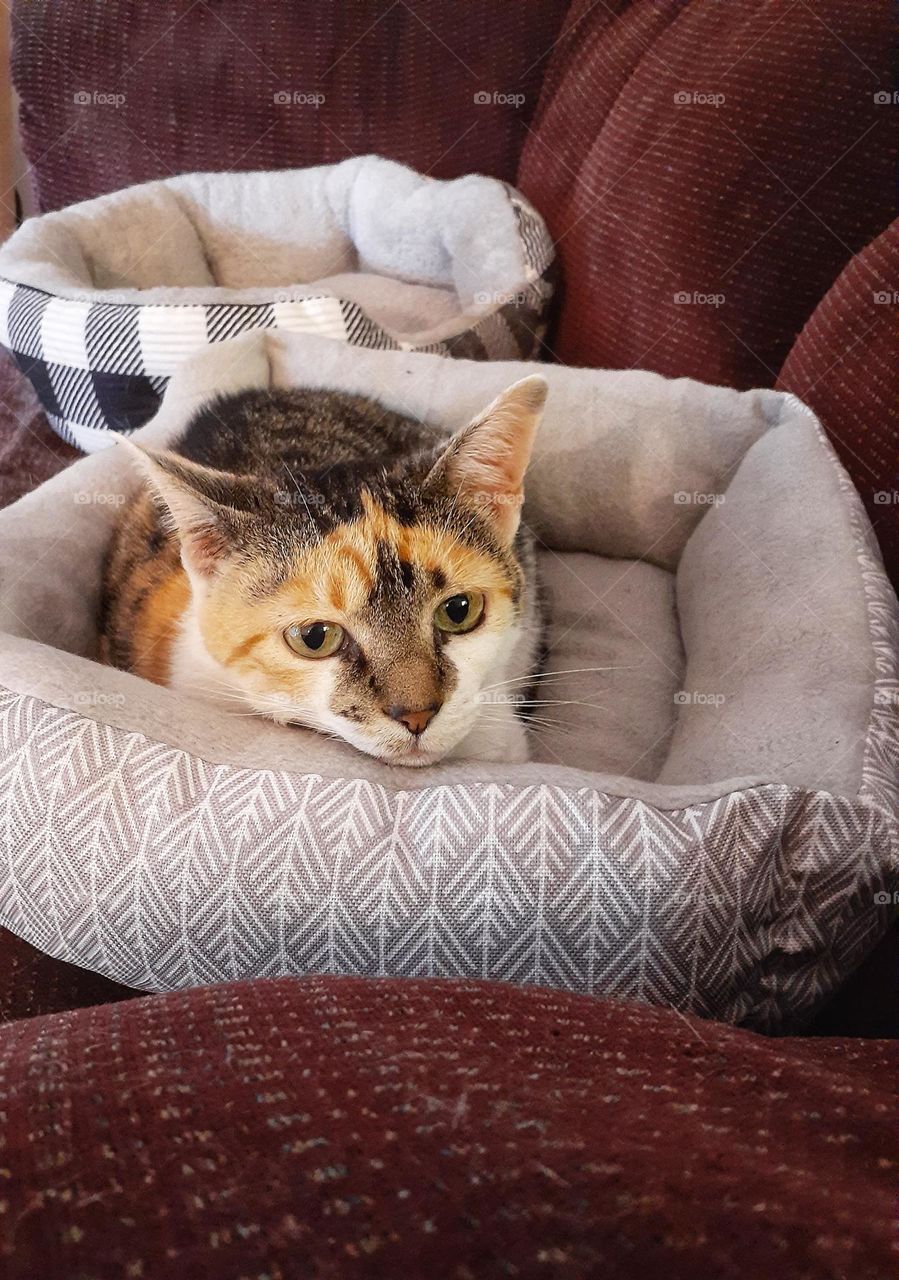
pixel 712 824
pixel 100 302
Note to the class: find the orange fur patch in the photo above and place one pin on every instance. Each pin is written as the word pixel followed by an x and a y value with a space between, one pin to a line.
pixel 340 572
pixel 333 582
pixel 243 649
pixel 157 623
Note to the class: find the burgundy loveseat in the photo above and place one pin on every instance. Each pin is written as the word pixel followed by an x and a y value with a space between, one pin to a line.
pixel 718 178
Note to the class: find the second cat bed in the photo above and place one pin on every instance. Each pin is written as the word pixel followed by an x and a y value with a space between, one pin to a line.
pixel 100 302
pixel 710 824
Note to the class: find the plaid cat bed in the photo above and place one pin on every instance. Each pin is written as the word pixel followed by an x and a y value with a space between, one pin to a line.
pixel 100 302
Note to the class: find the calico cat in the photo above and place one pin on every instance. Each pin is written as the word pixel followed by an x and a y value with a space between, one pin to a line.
pixel 316 558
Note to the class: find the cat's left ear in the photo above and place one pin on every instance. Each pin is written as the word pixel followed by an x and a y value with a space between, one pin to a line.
pixel 485 462
pixel 198 502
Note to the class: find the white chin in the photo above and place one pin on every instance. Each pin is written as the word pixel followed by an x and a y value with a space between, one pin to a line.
pixel 411 758
pixel 415 756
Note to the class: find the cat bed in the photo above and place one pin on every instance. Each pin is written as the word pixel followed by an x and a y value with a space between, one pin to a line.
pixel 101 301
pixel 708 822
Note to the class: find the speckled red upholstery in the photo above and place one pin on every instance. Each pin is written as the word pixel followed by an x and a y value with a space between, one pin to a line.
pixel 181 86
pixel 845 366
pixel 32 983
pixel 749 198
pixel 30 451
pixel 347 1127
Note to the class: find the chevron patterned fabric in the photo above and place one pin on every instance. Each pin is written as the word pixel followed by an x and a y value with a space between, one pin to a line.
pixel 148 865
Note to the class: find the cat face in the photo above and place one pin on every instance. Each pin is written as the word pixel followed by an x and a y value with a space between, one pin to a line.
pixel 381 628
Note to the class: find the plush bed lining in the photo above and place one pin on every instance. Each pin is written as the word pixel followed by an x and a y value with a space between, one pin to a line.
pixel 374 232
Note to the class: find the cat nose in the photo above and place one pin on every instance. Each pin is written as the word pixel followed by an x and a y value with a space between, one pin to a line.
pixel 415 720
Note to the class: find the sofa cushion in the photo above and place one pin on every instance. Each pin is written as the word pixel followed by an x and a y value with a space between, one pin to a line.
pixel 177 88
pixel 460 1129
pixel 707 171
pixel 34 983
pixel 845 366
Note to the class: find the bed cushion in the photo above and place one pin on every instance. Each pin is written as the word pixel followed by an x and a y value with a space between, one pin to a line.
pixel 717 832
pixel 101 301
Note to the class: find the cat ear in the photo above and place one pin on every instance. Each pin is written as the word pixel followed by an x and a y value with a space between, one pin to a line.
pixel 485 462
pixel 197 501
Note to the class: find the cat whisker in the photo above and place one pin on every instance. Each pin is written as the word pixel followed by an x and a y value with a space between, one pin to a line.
pixel 451 512
pixel 295 484
pixel 546 675
pixel 467 525
pixel 248 715
pixel 559 702
pixel 551 726
pixel 530 721
pixel 221 693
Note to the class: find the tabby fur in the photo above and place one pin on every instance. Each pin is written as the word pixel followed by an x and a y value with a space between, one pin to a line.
pixel 284 508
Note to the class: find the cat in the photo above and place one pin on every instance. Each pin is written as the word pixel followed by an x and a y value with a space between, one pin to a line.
pixel 316 558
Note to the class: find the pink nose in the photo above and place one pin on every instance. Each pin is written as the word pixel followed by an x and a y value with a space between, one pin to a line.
pixel 415 720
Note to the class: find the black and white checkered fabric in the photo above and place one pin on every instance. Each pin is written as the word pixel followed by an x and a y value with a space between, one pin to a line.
pixel 100 366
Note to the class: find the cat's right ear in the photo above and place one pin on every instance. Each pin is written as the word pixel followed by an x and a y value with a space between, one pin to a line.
pixel 487 460
pixel 195 501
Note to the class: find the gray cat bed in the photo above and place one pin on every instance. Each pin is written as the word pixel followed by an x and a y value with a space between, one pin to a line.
pixel 711 824
pixel 100 302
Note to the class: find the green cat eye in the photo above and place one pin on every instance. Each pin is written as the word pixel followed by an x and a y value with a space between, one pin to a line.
pixel 460 613
pixel 314 639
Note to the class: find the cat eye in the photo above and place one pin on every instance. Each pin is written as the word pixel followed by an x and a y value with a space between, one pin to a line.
pixel 314 639
pixel 460 613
